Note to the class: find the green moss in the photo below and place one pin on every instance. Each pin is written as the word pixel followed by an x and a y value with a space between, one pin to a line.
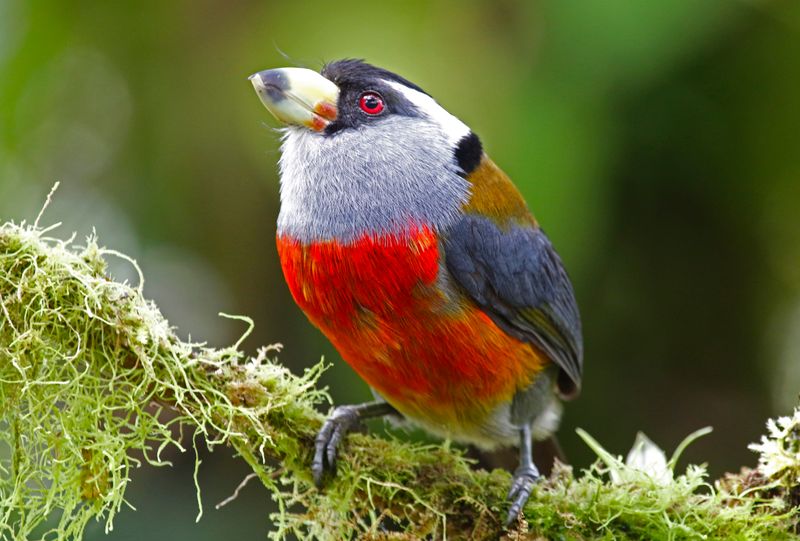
pixel 89 369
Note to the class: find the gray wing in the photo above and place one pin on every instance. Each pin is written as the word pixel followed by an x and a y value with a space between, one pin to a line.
pixel 514 274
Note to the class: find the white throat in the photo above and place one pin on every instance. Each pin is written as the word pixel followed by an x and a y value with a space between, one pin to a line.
pixel 380 179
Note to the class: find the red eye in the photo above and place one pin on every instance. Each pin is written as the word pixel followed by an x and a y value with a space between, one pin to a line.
pixel 371 103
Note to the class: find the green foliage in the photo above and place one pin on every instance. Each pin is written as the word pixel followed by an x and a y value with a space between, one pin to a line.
pixel 94 382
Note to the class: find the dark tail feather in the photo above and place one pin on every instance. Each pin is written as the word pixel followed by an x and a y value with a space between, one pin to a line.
pixel 507 458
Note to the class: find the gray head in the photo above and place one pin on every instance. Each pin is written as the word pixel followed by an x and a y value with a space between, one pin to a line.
pixel 365 152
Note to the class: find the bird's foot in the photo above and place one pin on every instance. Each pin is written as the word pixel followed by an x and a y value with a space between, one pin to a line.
pixel 525 477
pixel 341 421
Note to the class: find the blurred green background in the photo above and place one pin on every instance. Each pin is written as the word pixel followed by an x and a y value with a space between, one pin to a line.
pixel 656 141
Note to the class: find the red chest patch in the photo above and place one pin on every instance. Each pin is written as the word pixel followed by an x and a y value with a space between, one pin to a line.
pixel 335 284
pixel 432 354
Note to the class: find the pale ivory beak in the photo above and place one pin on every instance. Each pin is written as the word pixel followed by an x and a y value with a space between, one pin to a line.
pixel 297 96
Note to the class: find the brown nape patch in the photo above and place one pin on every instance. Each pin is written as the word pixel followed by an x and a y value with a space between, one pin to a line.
pixel 495 196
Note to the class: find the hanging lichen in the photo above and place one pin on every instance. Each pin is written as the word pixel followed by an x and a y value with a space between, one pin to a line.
pixel 94 383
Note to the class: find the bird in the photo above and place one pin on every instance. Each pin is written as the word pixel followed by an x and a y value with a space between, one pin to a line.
pixel 419 259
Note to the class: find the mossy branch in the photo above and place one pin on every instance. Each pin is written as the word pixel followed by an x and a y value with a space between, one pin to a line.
pixel 94 382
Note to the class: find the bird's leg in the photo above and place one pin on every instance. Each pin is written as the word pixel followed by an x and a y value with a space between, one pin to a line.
pixel 341 421
pixel 525 476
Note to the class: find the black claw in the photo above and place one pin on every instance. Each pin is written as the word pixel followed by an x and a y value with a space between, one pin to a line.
pixel 320 444
pixel 333 445
pixel 326 444
pixel 521 487
pixel 342 420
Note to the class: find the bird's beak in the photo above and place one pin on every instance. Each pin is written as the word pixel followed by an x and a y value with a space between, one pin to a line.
pixel 297 96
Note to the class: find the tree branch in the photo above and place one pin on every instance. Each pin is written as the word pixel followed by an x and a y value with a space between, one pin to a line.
pixel 93 381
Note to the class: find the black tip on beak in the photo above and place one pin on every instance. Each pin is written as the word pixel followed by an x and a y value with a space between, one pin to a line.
pixel 275 82
pixel 297 96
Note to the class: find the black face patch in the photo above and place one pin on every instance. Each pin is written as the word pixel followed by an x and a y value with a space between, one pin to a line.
pixel 357 72
pixel 354 78
pixel 468 153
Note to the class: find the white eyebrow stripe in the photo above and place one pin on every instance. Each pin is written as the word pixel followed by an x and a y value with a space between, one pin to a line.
pixel 453 128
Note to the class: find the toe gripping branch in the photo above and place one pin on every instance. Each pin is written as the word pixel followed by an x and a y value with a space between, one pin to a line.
pixel 525 477
pixel 342 420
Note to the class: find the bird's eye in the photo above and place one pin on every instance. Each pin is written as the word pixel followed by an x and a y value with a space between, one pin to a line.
pixel 371 103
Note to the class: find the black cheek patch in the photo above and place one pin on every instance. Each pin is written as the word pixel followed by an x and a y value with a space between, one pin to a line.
pixel 350 114
pixel 468 153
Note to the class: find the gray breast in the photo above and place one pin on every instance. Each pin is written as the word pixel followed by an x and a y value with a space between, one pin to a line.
pixel 375 180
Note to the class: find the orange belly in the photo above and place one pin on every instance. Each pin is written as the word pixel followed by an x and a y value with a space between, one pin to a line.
pixel 425 348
